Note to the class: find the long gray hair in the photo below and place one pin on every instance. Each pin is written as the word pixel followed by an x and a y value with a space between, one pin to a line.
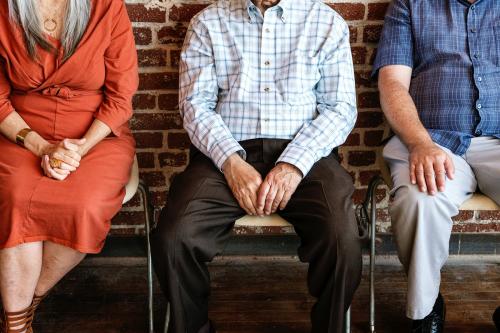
pixel 26 14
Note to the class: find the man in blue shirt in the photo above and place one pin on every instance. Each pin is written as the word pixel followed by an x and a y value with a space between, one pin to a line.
pixel 438 66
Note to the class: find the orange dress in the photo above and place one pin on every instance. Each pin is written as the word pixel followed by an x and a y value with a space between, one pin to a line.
pixel 60 99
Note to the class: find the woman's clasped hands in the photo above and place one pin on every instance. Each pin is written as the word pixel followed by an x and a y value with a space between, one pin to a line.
pixel 60 159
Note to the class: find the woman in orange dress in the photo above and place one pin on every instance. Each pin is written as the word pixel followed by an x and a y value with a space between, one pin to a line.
pixel 68 71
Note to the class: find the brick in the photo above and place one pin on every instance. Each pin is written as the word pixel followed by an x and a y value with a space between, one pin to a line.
pixel 370 119
pixel 153 178
pixel 371 33
pixel 178 141
pixel 358 55
pixel 464 215
pixel 169 159
pixel 172 34
pixel 352 140
pixel 149 139
pixel 156 121
pixel 350 11
pixel 368 100
pixel 143 36
pixel 361 158
pixel 366 176
pixel 175 56
pixel 489 215
pixel 360 194
pixel 155 81
pixel 144 102
pixel 146 160
pixel 363 78
pixel 139 13
pixel 168 102
pixel 353 34
pixel 152 57
pixel 376 11
pixel 373 138
pixel 492 227
pixel 158 198
pixel 185 12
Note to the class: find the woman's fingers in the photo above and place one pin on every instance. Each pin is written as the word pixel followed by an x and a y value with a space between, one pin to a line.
pixel 67 167
pixel 53 173
pixel 73 144
pixel 66 159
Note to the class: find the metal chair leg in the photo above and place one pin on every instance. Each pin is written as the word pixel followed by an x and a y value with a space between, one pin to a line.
pixel 167 319
pixel 372 200
pixel 147 218
pixel 348 321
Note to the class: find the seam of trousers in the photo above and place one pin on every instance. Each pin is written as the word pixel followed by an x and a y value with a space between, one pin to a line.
pixel 176 241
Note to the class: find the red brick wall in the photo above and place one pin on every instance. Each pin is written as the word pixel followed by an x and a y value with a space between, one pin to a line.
pixel 159 27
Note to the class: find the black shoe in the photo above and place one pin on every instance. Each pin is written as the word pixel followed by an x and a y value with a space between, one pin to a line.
pixel 496 318
pixel 434 322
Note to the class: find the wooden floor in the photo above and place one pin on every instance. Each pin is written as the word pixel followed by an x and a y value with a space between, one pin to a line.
pixel 253 295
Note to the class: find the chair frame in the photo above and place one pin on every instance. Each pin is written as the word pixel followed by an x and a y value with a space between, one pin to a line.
pixel 365 222
pixel 145 195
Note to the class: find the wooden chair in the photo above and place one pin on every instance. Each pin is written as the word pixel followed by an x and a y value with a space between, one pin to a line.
pixel 135 185
pixel 367 216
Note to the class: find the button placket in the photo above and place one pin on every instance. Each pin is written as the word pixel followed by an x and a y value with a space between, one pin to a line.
pixel 266 73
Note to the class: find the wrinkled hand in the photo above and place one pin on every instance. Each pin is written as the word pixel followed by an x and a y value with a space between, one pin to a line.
pixel 244 182
pixel 68 152
pixel 429 167
pixel 277 188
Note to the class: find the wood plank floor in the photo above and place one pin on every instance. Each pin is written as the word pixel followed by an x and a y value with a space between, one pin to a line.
pixel 252 295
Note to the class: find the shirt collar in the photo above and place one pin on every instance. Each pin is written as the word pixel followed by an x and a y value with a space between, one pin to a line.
pixel 281 9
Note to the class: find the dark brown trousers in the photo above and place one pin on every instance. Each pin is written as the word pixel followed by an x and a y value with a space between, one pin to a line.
pixel 200 214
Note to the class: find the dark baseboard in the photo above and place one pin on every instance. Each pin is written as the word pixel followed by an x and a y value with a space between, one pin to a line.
pixel 255 245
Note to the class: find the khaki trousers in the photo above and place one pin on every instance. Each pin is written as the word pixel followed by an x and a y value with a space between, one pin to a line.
pixel 422 223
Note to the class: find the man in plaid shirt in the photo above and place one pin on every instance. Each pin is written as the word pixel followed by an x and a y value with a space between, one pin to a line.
pixel 438 65
pixel 267 94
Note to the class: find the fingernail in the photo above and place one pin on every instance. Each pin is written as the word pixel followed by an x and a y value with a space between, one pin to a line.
pixel 441 189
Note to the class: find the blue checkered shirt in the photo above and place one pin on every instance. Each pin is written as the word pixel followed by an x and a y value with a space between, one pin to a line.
pixel 285 75
pixel 454 49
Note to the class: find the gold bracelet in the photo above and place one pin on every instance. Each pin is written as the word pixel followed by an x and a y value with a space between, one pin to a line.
pixel 21 136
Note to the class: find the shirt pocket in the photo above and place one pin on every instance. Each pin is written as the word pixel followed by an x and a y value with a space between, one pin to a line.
pixel 297 77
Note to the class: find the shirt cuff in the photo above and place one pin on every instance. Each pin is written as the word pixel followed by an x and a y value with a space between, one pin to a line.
pixel 225 148
pixel 300 157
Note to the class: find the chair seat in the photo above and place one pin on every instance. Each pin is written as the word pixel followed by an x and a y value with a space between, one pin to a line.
pixel 133 184
pixel 267 221
pixel 479 202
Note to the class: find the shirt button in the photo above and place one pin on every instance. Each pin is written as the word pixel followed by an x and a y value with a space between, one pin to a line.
pixel 479 79
pixel 478 132
pixel 267 63
pixel 266 89
pixel 473 30
pixel 268 30
pixel 476 55
pixel 479 106
pixel 473 7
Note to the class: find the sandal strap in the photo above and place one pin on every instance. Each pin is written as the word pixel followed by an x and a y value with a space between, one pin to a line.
pixel 21 319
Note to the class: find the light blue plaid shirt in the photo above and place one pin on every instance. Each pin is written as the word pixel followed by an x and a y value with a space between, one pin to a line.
pixel 285 75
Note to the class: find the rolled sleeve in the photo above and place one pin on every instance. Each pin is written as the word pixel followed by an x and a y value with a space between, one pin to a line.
pixel 122 77
pixel 396 42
